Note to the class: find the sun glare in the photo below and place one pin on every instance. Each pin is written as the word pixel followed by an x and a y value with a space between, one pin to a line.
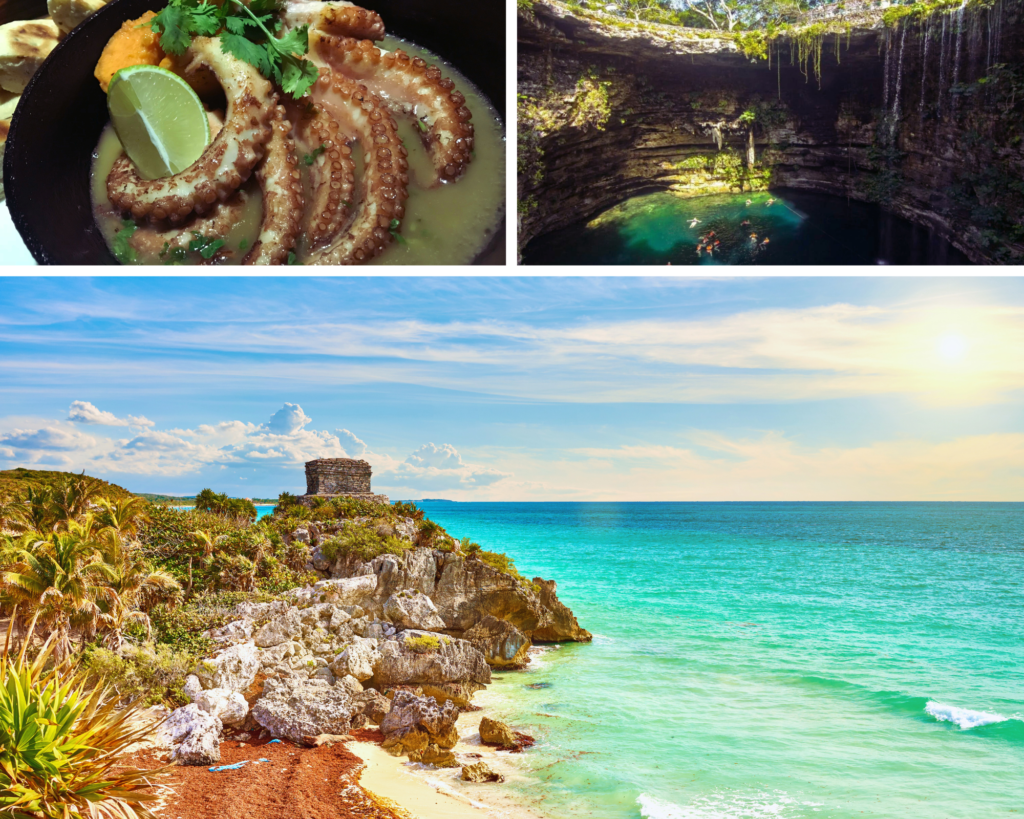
pixel 952 347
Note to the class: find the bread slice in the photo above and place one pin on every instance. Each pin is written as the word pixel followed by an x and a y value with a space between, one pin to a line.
pixel 24 45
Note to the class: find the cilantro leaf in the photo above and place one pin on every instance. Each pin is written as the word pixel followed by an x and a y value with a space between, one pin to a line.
pixel 206 20
pixel 310 158
pixel 205 246
pixel 294 42
pixel 172 24
pixel 298 77
pixel 263 6
pixel 292 258
pixel 395 225
pixel 247 51
pixel 242 245
pixel 123 251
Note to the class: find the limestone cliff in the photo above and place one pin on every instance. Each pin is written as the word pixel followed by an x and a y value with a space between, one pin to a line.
pixel 918 108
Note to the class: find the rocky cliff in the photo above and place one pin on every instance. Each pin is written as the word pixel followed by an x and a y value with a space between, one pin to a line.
pixel 417 630
pixel 919 108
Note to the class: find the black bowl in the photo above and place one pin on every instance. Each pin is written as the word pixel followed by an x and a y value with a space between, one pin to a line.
pixel 63 110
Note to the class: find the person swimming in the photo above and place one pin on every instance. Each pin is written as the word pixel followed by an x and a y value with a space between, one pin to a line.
pixel 717 243
pixel 745 223
pixel 694 222
pixel 770 201
pixel 711 235
pixel 749 201
pixel 753 237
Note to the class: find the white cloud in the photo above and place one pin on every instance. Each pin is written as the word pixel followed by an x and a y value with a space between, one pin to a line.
pixel 47 438
pixel 434 467
pixel 288 420
pixel 439 457
pixel 82 412
pixel 353 445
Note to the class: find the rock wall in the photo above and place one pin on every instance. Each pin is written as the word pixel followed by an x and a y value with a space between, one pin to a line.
pixel 917 114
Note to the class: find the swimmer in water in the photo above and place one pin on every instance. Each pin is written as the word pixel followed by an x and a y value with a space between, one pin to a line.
pixel 717 243
pixel 749 201
pixel 711 235
pixel 753 237
pixel 770 201
pixel 745 223
pixel 694 222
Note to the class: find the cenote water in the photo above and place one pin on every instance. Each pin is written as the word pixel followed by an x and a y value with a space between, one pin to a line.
pixel 769 660
pixel 801 228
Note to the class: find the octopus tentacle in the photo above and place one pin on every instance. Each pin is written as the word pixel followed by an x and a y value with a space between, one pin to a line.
pixel 332 175
pixel 411 87
pixel 225 164
pixel 336 18
pixel 386 175
pixel 280 181
pixel 149 238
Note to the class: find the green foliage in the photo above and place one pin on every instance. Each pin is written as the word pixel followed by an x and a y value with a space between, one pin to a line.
pixel 182 627
pixel 423 643
pixel 150 675
pixel 59 739
pixel 468 547
pixel 504 564
pixel 220 504
pixel 591 106
pixel 364 541
pixel 407 509
pixel 524 6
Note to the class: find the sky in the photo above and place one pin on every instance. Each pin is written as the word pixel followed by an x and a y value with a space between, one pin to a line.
pixel 522 389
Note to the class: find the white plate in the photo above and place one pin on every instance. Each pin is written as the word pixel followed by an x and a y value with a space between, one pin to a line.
pixel 12 248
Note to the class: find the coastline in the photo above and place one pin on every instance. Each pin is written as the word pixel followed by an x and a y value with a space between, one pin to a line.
pixel 425 792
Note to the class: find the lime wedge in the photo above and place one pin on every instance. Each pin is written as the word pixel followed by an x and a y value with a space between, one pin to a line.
pixel 158 118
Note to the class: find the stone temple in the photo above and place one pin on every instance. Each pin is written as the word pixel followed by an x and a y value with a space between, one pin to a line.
pixel 340 477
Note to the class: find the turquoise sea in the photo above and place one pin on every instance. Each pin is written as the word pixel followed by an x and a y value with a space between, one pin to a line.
pixel 770 660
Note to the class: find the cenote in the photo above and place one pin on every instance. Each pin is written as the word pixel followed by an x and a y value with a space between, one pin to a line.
pixel 801 227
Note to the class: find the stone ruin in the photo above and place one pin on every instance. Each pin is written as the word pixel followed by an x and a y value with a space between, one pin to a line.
pixel 339 477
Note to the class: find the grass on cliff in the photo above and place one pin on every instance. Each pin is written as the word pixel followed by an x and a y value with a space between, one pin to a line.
pixel 16 483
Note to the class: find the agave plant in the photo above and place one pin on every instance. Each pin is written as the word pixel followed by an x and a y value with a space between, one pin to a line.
pixel 60 744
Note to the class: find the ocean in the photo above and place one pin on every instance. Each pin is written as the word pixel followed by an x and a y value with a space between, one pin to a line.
pixel 780 660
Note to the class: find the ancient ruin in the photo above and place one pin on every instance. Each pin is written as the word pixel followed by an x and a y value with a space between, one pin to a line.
pixel 340 477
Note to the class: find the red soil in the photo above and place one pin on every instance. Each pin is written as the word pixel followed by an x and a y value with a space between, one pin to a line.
pixel 296 783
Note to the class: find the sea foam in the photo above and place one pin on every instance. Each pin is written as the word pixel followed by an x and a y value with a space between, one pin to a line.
pixel 964 717
pixel 761 805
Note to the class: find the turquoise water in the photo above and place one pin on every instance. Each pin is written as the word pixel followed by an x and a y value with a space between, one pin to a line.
pixel 771 660
pixel 801 227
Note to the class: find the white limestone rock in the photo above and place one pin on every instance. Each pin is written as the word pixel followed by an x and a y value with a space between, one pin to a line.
pixel 357 660
pixel 234 668
pixel 294 708
pixel 279 630
pixel 229 707
pixel 194 735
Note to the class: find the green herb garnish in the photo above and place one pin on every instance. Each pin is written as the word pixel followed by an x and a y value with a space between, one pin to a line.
pixel 246 32
pixel 163 252
pixel 123 251
pixel 178 256
pixel 309 159
pixel 422 126
pixel 395 225
pixel 242 245
pixel 205 246
pixel 292 258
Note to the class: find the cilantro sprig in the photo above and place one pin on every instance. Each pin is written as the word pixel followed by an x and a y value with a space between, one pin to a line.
pixel 205 246
pixel 393 230
pixel 246 32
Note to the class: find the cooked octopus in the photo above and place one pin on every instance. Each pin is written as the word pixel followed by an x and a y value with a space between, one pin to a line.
pixel 348 113
pixel 228 160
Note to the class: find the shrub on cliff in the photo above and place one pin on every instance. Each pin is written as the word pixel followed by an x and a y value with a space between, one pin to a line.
pixel 182 627
pixel 504 564
pixel 366 542
pixel 150 675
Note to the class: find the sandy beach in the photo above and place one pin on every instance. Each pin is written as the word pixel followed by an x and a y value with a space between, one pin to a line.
pixel 424 792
